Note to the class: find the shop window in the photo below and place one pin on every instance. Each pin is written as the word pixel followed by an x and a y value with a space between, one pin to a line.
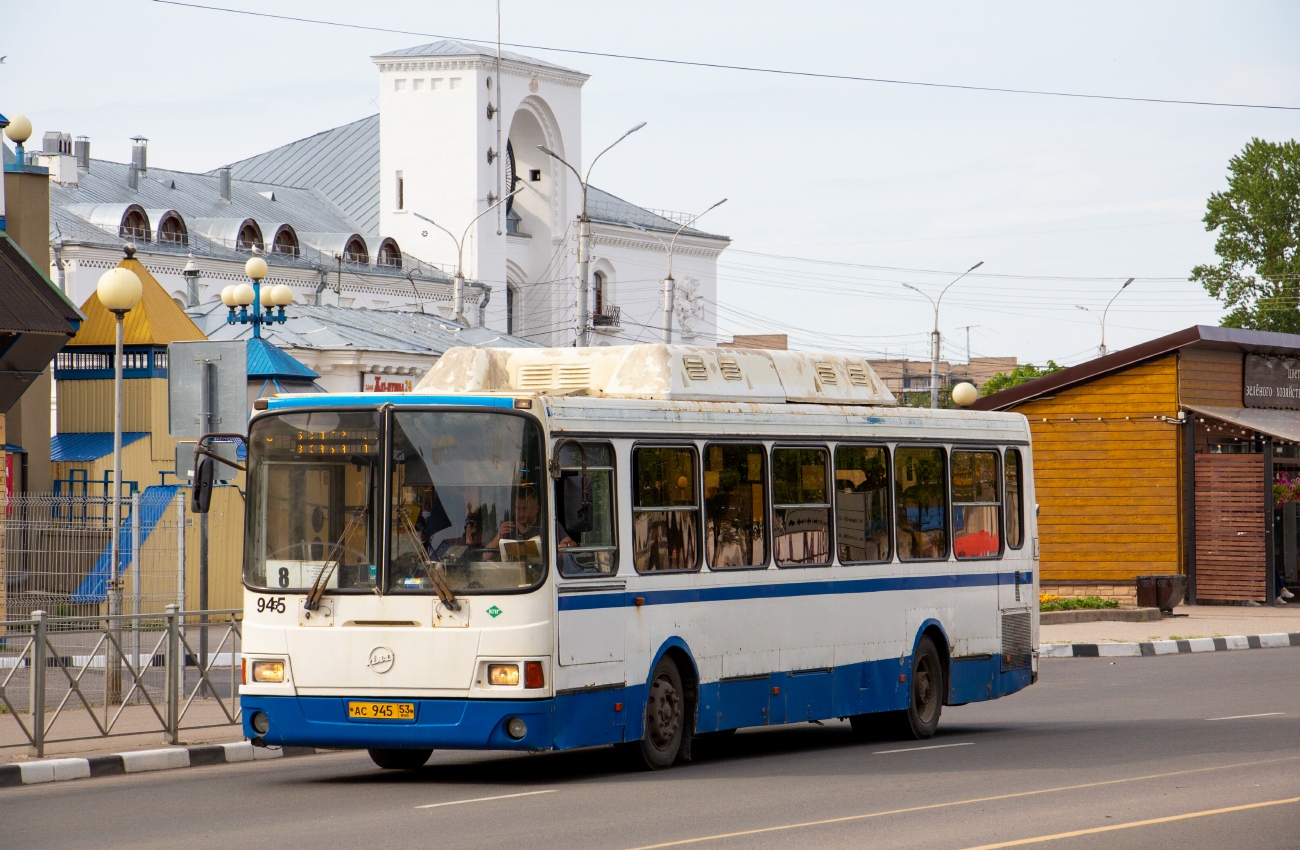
pixel 735 506
pixel 976 505
pixel 862 504
pixel 665 510
pixel 801 510
pixel 921 504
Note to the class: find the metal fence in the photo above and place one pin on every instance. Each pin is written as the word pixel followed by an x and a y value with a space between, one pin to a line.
pixel 74 678
pixel 58 554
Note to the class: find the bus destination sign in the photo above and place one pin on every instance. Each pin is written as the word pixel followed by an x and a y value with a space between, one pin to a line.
pixel 1271 382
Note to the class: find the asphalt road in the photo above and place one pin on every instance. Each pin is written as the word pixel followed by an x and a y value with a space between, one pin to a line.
pixel 1140 753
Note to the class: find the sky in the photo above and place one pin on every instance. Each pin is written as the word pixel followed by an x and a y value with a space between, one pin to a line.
pixel 839 192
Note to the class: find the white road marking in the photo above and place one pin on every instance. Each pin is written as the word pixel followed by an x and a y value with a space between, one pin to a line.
pixel 931 747
pixel 1245 716
pixel 485 799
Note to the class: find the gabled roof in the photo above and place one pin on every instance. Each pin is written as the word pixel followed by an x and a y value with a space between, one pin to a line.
pixel 156 320
pixel 1198 336
pixel 265 361
pixel 456 47
pixel 311 327
pixel 342 164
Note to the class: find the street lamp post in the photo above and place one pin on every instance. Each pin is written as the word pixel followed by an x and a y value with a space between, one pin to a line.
pixel 458 282
pixel 262 303
pixel 584 235
pixel 1101 349
pixel 119 291
pixel 670 285
pixel 934 335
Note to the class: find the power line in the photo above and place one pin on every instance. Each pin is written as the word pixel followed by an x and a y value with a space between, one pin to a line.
pixel 719 66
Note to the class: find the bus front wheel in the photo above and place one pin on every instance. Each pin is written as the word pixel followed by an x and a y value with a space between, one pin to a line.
pixel 400 759
pixel 665 717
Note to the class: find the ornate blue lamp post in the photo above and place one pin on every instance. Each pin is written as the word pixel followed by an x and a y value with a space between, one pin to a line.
pixel 257 306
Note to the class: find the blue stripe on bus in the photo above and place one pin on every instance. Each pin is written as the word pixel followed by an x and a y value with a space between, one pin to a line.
pixel 589 601
pixel 376 399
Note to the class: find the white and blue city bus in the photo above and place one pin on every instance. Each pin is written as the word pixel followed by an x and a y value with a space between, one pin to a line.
pixel 541 549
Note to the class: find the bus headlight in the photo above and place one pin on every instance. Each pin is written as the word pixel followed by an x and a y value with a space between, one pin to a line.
pixel 503 674
pixel 271 672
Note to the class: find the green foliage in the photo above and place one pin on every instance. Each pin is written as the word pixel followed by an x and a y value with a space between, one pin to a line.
pixel 1019 375
pixel 1077 603
pixel 1257 278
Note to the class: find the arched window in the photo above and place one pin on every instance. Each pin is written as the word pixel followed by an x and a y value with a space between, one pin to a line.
pixel 172 230
pixel 389 254
pixel 510 309
pixel 134 226
pixel 598 293
pixel 355 251
pixel 286 242
pixel 250 237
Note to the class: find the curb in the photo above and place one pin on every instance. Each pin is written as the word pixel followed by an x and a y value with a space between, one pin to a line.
pixel 1166 647
pixel 140 761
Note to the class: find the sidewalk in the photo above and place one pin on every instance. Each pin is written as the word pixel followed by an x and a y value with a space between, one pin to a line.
pixel 142 728
pixel 1202 621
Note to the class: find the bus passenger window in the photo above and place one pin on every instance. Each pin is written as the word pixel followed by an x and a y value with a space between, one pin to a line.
pixel 594 552
pixel 921 504
pixel 1015 501
pixel 735 506
pixel 665 513
pixel 801 508
pixel 976 507
pixel 862 504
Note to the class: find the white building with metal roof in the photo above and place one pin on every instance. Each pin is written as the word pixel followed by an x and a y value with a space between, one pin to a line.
pixel 335 213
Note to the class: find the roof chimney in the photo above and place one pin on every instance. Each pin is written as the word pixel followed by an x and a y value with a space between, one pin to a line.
pixel 139 151
pixel 132 177
pixel 223 175
pixel 81 150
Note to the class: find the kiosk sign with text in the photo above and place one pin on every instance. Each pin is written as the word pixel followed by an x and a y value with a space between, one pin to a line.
pixel 1271 382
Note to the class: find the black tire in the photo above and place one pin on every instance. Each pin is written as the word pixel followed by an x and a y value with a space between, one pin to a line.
pixel 400 759
pixel 665 717
pixel 928 686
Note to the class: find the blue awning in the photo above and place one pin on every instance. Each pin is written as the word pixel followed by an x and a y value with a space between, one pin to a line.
pixel 89 446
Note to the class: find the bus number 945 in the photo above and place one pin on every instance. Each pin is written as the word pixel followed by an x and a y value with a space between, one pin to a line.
pixel 273 605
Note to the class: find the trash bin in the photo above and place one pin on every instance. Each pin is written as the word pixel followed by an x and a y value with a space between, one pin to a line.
pixel 1161 591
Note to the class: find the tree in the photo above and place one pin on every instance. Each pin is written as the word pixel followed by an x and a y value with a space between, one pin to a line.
pixel 1258 218
pixel 1020 374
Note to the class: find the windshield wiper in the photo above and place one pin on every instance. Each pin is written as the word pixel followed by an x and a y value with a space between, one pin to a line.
pixel 440 585
pixel 335 558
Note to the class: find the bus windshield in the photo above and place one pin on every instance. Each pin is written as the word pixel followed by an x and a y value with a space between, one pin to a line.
pixel 467 502
pixel 465 508
pixel 313 494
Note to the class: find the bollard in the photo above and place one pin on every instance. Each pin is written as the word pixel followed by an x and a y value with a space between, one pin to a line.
pixel 37 704
pixel 175 673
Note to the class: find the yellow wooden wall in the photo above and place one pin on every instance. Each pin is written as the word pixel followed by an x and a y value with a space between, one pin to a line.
pixel 1107 485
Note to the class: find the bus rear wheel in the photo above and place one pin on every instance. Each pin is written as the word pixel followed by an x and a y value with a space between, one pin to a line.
pixel 399 759
pixel 665 717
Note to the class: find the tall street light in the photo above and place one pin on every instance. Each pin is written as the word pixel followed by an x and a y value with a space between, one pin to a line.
pixel 458 282
pixel 1101 349
pixel 669 283
pixel 262 302
pixel 584 234
pixel 119 290
pixel 934 335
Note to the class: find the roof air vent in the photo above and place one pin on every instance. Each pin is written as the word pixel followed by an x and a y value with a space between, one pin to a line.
pixel 730 369
pixel 695 368
pixel 574 377
pixel 857 375
pixel 535 376
pixel 826 372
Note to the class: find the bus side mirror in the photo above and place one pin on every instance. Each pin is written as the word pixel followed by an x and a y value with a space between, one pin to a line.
pixel 578 512
pixel 204 472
